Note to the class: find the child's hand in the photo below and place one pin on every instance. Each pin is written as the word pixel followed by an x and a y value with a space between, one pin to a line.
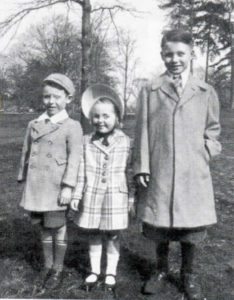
pixel 143 180
pixel 74 204
pixel 65 195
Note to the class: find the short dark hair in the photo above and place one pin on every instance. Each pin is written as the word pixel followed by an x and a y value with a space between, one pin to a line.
pixel 177 35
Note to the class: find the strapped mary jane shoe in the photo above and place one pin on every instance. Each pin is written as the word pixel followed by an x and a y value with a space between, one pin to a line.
pixel 89 285
pixel 110 286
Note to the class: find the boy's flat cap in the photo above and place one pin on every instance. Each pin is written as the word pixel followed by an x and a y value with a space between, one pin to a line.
pixel 63 81
pixel 97 91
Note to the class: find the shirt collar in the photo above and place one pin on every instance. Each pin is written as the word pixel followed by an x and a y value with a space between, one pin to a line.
pixel 184 76
pixel 60 116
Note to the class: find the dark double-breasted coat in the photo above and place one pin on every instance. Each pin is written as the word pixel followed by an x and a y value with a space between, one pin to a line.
pixel 175 139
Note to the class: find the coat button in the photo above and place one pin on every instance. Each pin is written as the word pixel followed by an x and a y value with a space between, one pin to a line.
pixel 50 142
pixel 49 155
pixel 104 166
pixel 106 157
pixel 104 174
pixel 103 180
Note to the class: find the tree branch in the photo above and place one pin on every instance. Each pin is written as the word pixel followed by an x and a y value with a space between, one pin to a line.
pixel 16 18
pixel 78 1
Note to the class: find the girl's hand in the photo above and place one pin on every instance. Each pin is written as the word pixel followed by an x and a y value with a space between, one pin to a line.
pixel 65 195
pixel 74 204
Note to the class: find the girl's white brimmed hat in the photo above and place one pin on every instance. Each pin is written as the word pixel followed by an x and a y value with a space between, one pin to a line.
pixel 97 91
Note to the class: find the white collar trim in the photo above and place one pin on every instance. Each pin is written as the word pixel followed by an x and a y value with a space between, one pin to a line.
pixel 60 116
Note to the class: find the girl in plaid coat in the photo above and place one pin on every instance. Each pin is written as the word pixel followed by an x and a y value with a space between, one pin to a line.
pixel 101 198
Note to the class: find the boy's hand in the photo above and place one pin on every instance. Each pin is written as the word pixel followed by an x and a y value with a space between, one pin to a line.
pixel 143 180
pixel 65 195
pixel 74 204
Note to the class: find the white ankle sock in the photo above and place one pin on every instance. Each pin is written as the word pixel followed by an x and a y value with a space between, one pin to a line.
pixel 95 259
pixel 112 262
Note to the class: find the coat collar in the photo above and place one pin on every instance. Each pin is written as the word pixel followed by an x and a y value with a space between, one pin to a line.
pixel 113 139
pixel 164 83
pixel 44 127
pixel 59 117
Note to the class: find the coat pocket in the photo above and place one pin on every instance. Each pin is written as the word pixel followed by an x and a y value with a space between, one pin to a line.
pixel 61 161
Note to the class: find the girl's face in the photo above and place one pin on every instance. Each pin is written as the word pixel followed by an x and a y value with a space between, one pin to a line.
pixel 103 117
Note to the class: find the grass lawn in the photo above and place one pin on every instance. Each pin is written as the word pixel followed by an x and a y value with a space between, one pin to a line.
pixel 20 251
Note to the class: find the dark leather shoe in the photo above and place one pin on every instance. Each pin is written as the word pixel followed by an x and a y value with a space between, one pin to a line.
pixel 43 277
pixel 155 283
pixel 54 280
pixel 191 287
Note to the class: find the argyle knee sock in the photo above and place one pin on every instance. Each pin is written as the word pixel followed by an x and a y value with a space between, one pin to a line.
pixel 47 247
pixel 60 247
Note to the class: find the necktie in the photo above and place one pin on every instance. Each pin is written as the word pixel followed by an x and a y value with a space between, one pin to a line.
pixel 177 80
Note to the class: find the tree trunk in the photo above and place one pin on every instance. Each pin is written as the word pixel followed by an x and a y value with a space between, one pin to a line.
pixel 207 54
pixel 232 60
pixel 86 49
pixel 125 83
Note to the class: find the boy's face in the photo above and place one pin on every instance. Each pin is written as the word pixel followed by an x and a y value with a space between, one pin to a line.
pixel 176 56
pixel 103 117
pixel 54 100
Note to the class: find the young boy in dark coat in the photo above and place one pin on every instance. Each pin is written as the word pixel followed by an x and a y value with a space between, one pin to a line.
pixel 176 136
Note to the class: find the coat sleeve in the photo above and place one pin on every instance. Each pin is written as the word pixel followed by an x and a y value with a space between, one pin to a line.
pixel 141 143
pixel 74 147
pixel 212 130
pixel 130 181
pixel 25 156
pixel 80 184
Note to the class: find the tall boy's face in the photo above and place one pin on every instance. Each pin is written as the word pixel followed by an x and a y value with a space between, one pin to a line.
pixel 176 56
pixel 54 100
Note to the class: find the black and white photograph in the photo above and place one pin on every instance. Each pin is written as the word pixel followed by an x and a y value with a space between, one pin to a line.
pixel 117 149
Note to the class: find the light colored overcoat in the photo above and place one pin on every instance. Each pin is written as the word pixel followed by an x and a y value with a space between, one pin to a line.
pixel 175 139
pixel 102 186
pixel 50 158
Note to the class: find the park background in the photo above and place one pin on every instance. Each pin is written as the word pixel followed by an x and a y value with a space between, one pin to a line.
pixel 122 48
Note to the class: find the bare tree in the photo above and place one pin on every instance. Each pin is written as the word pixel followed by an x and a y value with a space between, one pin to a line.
pixel 86 6
pixel 126 63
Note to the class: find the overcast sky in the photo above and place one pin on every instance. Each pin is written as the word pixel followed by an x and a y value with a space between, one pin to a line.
pixel 146 28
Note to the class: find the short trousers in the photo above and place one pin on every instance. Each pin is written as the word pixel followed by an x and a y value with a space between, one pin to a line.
pixel 186 235
pixel 49 219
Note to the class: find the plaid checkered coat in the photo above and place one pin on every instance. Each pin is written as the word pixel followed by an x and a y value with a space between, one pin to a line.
pixel 102 183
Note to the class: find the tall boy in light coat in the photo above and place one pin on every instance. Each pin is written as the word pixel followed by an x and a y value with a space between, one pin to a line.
pixel 176 136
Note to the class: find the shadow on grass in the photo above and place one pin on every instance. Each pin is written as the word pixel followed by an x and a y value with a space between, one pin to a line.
pixel 20 239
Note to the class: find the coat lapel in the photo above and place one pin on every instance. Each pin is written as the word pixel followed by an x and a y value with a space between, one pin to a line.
pixel 167 87
pixel 113 140
pixel 41 128
pixel 189 91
